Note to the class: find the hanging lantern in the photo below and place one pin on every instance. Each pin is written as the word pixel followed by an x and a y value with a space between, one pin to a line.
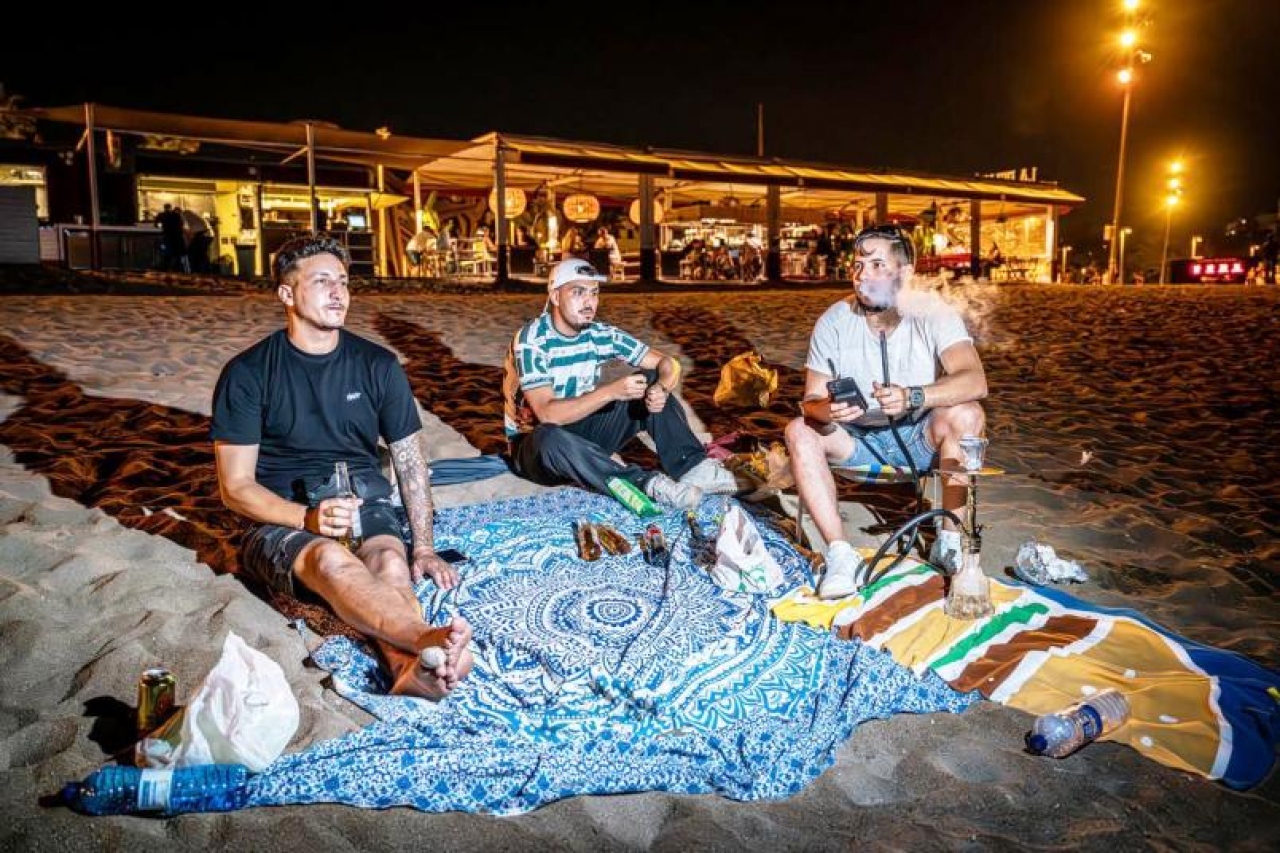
pixel 581 207
pixel 633 212
pixel 517 201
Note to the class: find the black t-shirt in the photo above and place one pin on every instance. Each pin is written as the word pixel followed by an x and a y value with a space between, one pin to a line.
pixel 306 412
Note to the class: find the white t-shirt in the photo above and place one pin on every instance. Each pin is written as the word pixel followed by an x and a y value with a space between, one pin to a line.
pixel 841 337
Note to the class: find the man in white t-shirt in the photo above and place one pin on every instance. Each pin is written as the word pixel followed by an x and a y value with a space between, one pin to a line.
pixel 919 373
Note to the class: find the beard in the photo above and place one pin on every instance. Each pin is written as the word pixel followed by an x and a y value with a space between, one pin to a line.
pixel 879 294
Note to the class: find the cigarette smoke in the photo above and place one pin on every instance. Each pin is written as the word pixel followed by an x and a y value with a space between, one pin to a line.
pixel 975 301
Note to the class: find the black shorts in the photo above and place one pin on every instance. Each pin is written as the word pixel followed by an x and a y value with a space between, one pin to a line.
pixel 270 551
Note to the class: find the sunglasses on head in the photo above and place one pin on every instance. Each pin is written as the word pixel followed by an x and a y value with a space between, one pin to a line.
pixel 889 232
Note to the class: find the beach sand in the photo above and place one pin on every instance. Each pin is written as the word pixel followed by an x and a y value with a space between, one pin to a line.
pixel 1136 427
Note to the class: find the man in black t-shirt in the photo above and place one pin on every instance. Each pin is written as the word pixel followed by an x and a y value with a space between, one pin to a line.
pixel 289 408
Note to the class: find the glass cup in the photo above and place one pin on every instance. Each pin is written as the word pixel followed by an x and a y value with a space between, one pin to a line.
pixel 973 449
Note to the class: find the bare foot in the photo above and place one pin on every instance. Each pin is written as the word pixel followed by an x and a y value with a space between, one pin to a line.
pixel 416 681
pixel 435 682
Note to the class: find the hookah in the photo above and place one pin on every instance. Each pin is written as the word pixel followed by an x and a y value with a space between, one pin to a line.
pixel 969 591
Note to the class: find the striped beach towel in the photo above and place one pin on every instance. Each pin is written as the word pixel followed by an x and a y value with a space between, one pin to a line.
pixel 1195 708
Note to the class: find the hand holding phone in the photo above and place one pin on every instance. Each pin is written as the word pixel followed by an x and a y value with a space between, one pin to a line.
pixel 845 390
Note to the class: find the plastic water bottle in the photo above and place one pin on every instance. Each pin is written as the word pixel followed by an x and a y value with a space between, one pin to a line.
pixel 128 790
pixel 1058 735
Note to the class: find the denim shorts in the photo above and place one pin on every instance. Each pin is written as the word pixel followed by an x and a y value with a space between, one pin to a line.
pixel 876 445
pixel 270 552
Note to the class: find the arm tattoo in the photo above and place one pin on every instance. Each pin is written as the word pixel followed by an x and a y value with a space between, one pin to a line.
pixel 414 477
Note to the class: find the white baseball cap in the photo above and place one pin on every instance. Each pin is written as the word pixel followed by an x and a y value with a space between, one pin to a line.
pixel 570 271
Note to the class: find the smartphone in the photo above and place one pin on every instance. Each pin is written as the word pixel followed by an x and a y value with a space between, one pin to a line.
pixel 846 390
pixel 452 555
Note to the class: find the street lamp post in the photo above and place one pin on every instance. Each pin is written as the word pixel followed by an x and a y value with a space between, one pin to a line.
pixel 1112 267
pixel 1170 202
pixel 1133 55
pixel 1124 234
pixel 1062 270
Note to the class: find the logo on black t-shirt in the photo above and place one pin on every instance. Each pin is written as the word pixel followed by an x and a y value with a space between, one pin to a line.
pixel 353 395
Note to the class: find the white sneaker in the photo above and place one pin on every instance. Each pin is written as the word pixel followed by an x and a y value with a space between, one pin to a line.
pixel 712 477
pixel 843 576
pixel 944 553
pixel 680 495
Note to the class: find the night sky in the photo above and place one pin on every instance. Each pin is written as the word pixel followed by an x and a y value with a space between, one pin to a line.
pixel 958 87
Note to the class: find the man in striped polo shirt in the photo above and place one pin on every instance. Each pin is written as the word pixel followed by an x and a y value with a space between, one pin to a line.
pixel 564 426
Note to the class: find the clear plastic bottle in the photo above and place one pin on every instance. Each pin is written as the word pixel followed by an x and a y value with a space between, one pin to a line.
pixel 128 790
pixel 354 537
pixel 1058 735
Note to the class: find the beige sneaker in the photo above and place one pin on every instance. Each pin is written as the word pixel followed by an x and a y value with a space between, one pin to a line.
pixel 712 477
pixel 680 495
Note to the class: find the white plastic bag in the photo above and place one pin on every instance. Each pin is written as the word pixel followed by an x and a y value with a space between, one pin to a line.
pixel 244 713
pixel 743 564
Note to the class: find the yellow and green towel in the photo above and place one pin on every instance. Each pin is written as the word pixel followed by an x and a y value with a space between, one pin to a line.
pixel 1194 707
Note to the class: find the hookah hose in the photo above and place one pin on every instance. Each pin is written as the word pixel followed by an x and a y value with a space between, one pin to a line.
pixel 912 526
pixel 893 426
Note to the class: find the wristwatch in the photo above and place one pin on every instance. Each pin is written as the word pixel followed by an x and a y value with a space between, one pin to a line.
pixel 915 398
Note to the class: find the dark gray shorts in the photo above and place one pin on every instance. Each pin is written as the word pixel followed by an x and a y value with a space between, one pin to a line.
pixel 270 551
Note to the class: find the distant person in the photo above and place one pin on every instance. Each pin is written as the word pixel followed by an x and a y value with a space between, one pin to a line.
pixel 524 239
pixel 173 243
pixel 420 249
pixel 564 426
pixel 826 249
pixel 607 242
pixel 484 239
pixel 447 248
pixel 198 240
pixel 752 259
pixel 931 398
pixel 284 412
pixel 572 245
pixel 994 260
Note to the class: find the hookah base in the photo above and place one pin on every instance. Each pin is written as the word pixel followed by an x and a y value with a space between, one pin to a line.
pixel 969 606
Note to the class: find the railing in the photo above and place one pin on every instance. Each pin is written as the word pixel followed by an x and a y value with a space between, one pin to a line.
pixel 122 247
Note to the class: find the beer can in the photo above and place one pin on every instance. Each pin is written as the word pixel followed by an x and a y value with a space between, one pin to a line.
pixel 157 689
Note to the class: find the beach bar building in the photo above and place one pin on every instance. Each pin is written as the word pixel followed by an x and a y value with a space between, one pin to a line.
pixel 101 174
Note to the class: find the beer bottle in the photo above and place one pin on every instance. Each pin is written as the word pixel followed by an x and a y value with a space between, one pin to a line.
pixel 353 538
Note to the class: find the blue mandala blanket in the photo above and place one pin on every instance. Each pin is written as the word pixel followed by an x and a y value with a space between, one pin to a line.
pixel 599 678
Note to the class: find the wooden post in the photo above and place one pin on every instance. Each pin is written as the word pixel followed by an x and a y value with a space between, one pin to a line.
pixel 975 238
pixel 95 247
pixel 382 226
pixel 500 220
pixel 311 176
pixel 773 232
pixel 648 258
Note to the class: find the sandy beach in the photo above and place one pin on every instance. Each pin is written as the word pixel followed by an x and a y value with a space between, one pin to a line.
pixel 1136 426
